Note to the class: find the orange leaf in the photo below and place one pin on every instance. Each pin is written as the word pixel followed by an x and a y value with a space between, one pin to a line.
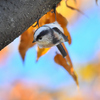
pixel 63 22
pixel 4 53
pixel 41 52
pixel 67 64
pixel 67 34
pixel 26 41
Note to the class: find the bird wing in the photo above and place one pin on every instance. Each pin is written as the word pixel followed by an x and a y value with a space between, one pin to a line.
pixel 58 31
pixel 62 50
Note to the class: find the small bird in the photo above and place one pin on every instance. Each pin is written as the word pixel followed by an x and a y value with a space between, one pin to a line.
pixel 50 35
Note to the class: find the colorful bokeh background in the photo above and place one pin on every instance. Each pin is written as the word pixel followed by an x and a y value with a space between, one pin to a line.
pixel 46 80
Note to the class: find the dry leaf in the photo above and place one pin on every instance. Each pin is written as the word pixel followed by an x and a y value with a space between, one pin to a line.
pixel 63 62
pixel 63 22
pixel 67 34
pixel 41 52
pixel 26 41
pixel 66 63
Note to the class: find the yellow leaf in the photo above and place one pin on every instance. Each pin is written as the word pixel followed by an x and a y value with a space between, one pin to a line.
pixel 88 72
pixel 67 34
pixel 65 11
pixel 41 52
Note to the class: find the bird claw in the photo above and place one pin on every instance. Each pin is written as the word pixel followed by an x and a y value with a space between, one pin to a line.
pixel 54 11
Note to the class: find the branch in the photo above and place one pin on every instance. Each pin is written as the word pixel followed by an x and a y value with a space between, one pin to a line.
pixel 18 15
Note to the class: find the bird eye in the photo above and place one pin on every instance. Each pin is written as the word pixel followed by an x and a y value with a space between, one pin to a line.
pixel 40 38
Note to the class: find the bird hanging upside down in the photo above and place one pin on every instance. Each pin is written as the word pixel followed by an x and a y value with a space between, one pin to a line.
pixel 50 35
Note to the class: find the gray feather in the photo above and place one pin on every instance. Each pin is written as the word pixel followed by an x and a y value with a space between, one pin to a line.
pixel 58 31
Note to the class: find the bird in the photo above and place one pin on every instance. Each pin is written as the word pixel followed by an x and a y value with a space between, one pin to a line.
pixel 50 35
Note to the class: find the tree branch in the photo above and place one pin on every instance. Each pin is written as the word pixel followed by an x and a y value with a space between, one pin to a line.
pixel 18 15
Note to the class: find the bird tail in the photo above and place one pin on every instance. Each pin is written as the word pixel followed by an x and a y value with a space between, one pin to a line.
pixel 62 50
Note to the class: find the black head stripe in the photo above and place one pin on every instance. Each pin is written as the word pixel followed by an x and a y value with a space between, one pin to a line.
pixel 37 30
pixel 42 34
pixel 49 28
pixel 57 30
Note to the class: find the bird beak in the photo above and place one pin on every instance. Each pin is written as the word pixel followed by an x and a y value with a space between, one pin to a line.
pixel 33 41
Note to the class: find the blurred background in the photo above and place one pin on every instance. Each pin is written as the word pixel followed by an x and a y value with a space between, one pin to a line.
pixel 46 80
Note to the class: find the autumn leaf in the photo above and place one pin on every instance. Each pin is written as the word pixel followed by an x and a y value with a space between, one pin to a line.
pixel 4 53
pixel 63 62
pixel 41 52
pixel 27 38
pixel 64 10
pixel 66 63
pixel 26 41
pixel 63 22
pixel 89 72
